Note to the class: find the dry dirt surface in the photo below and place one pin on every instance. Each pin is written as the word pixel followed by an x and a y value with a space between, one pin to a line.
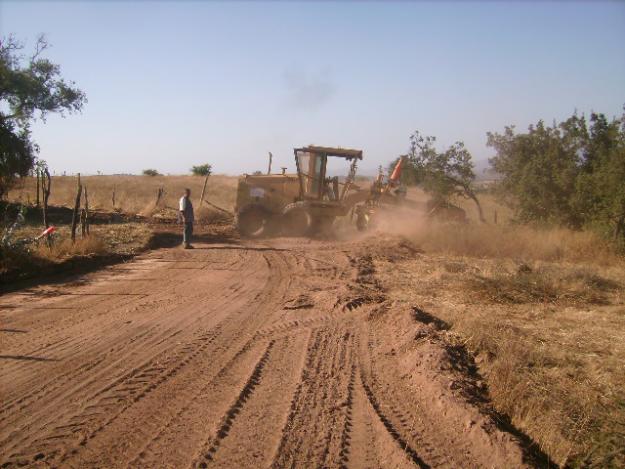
pixel 281 353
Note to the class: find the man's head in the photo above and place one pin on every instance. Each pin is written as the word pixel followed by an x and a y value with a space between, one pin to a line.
pixel 187 192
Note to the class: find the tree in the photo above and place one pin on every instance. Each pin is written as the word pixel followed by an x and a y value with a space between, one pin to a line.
pixel 30 88
pixel 569 174
pixel 441 174
pixel 151 172
pixel 201 170
pixel 600 186
pixel 539 170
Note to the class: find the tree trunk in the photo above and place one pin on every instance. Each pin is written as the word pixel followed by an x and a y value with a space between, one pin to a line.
pixel 75 215
pixel 472 196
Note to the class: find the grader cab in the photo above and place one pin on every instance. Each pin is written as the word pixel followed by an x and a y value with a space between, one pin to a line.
pixel 297 204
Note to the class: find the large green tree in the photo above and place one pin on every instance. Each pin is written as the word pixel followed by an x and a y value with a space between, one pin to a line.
pixel 31 87
pixel 570 173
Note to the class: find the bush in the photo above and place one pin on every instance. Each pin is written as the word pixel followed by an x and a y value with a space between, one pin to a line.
pixel 151 172
pixel 201 170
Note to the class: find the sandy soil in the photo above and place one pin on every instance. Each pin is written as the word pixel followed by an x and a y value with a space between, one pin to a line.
pixel 281 353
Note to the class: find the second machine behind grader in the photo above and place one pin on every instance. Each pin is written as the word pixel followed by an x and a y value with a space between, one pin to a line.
pixel 309 201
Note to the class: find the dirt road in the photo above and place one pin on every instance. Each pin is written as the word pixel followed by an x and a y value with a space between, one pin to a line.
pixel 276 354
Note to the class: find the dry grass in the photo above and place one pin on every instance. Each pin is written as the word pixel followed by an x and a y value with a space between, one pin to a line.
pixel 558 373
pixel 542 285
pixel 544 312
pixel 515 242
pixel 64 248
pixel 133 194
pixel 501 241
pixel 126 238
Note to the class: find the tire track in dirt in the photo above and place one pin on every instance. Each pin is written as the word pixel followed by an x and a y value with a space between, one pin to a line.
pixel 210 448
pixel 189 409
pixel 242 356
pixel 156 429
pixel 262 419
pixel 160 345
pixel 313 430
pixel 79 303
pixel 395 434
pixel 90 343
pixel 113 399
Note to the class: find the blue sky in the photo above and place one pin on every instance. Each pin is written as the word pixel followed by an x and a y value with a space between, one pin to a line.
pixel 175 84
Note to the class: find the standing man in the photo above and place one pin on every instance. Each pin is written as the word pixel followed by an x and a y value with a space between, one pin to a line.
pixel 186 213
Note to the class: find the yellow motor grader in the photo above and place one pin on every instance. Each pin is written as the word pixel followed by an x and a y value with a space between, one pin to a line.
pixel 308 201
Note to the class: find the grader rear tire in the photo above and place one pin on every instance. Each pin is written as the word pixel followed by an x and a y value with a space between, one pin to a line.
pixel 255 221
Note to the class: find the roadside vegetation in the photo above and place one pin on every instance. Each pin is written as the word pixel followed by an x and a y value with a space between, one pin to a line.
pixel 543 311
pixel 569 174
pixel 535 284
pixel 31 88
pixel 106 241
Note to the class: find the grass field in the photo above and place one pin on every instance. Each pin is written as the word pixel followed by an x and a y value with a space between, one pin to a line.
pixel 133 194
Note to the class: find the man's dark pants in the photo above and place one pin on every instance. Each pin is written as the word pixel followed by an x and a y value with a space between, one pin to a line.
pixel 186 233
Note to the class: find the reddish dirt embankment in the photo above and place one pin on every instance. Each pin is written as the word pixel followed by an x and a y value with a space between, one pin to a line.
pixel 278 354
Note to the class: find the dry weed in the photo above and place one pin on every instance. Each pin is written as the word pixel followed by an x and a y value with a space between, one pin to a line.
pixel 92 245
pixel 542 285
pixel 523 243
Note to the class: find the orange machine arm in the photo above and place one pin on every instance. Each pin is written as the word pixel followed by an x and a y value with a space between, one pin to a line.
pixel 396 174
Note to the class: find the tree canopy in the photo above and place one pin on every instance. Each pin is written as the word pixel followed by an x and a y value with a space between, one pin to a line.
pixel 201 170
pixel 442 174
pixel 571 173
pixel 151 172
pixel 31 87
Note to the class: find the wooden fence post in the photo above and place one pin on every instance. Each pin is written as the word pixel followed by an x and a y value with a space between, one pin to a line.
pixel 203 190
pixel 75 215
pixel 46 183
pixel 86 212
pixel 160 194
pixel 83 231
pixel 113 198
pixel 37 174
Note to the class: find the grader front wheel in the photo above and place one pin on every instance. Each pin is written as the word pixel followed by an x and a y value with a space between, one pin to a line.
pixel 296 220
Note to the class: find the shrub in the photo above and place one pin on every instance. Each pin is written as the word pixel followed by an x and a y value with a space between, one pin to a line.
pixel 151 172
pixel 201 170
